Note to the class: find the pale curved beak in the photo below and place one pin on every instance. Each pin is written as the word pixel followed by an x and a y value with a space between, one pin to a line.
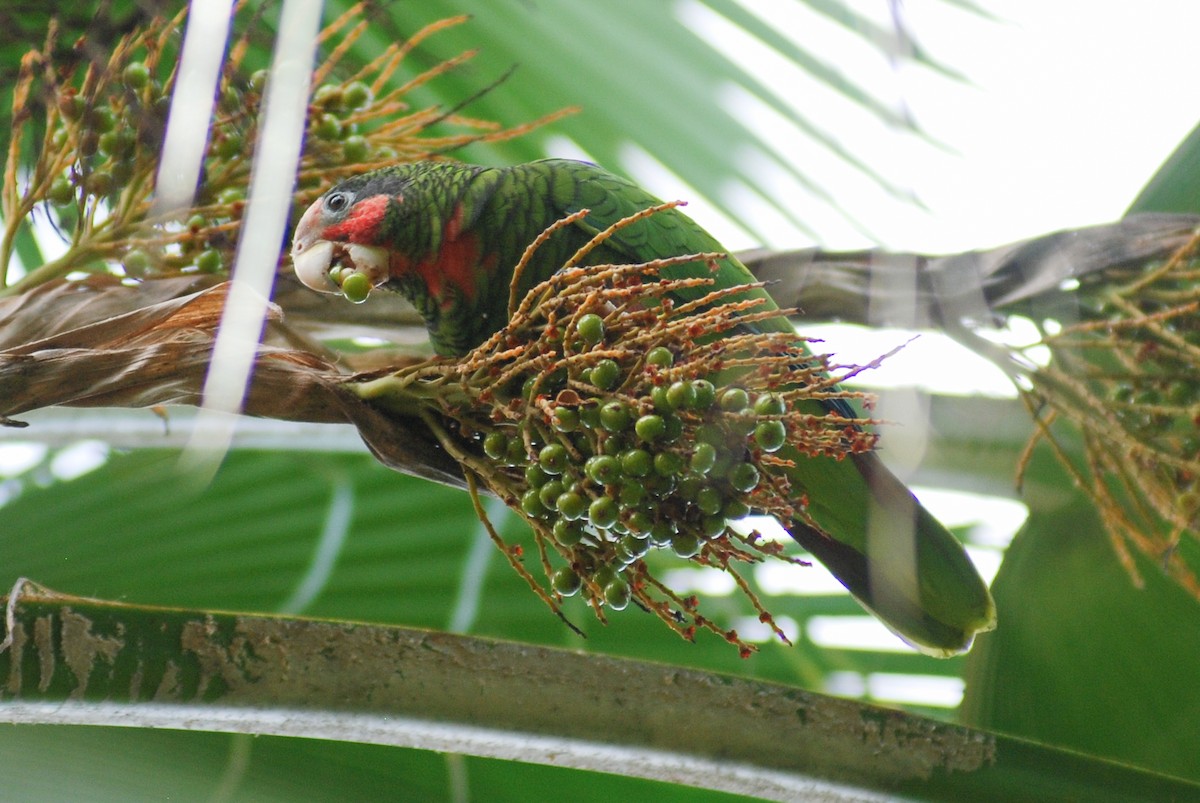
pixel 313 257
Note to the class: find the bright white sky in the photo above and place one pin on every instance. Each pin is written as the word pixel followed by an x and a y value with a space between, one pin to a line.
pixel 1067 109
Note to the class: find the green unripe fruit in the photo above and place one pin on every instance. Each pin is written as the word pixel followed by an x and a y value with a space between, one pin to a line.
pixel 567 533
pixel 71 106
pixel 590 328
pixel 660 357
pixel 605 374
pixel 703 458
pixel 196 223
pixel 689 486
pixel 136 262
pixel 661 533
pixel 257 81
pixel 650 428
pixel 231 195
pixel 101 119
pixel 734 400
pixel 632 493
pixel 356 95
pixel 589 416
pixel 553 458
pixel 637 462
pixel 135 75
pixel 565 419
pixel 685 545
pixel 770 404
pixel 667 464
pixel 706 394
pixel 662 402
pixel 674 428
pixel 209 260
pixel 531 503
pixel 572 505
pixel 617 595
pixel 682 395
pixel 709 501
pixel 603 469
pixel 613 445
pixel 566 582
pixel 741 425
pixel 98 182
pixel 638 523
pixel 712 526
pixel 356 287
pixel 535 475
pixel 735 509
pixel 743 477
pixel 603 512
pixel 549 494
pixel 495 445
pixel 770 435
pixel 356 148
pixel 327 127
pixel 61 193
pixel 328 96
pixel 614 416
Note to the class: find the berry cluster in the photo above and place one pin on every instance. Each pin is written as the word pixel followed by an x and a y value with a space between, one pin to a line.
pixel 620 427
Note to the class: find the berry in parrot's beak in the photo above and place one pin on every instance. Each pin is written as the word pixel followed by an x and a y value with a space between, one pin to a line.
pixel 323 265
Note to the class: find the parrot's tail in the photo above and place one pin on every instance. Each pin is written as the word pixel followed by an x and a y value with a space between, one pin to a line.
pixel 898 560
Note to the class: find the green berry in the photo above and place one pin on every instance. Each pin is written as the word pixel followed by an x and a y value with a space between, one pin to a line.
pixel 101 119
pixel 566 582
pixel 706 394
pixel 98 182
pixel 734 400
pixel 685 545
pixel 682 395
pixel 572 505
pixel 632 493
pixel 703 458
pixel 356 287
pixel 650 427
pixel 660 357
pixel 674 427
pixel 743 477
pixel 135 75
pixel 712 526
pixel 356 95
pixel 617 595
pixel 770 435
pixel 356 148
pixel 667 464
pixel 328 96
pixel 71 106
pixel 495 445
pixel 614 416
pixel 709 501
pixel 136 262
pixel 602 513
pixel 567 533
pixel 589 416
pixel 549 494
pixel 661 533
pixel 735 509
pixel 196 223
pixel 605 374
pixel 566 419
pixel 660 399
pixel 535 475
pixel 531 503
pixel 769 404
pixel 257 81
pixel 636 462
pixel 231 195
pixel 327 126
pixel 61 193
pixel 209 260
pixel 553 458
pixel 590 328
pixel 603 469
pixel 638 523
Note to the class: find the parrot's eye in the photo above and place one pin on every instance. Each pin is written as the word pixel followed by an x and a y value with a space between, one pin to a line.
pixel 337 202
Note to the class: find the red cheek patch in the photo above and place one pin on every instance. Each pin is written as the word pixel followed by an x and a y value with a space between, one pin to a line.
pixel 363 223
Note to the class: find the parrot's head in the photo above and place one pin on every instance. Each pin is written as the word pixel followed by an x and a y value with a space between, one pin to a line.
pixel 350 227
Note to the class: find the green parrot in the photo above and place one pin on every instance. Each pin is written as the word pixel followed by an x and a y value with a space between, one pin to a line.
pixel 448 237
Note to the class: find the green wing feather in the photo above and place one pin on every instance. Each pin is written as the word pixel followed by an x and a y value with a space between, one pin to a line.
pixel 891 554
